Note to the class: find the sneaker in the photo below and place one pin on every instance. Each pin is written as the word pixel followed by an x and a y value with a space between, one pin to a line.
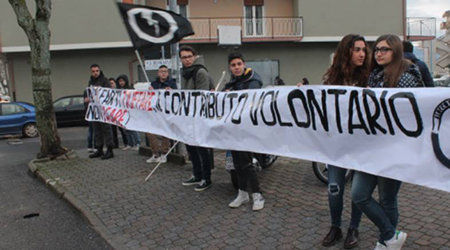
pixel 126 148
pixel 153 159
pixel 203 186
pixel 162 159
pixel 90 150
pixel 380 246
pixel 258 201
pixel 397 241
pixel 135 148
pixel 191 181
pixel 240 199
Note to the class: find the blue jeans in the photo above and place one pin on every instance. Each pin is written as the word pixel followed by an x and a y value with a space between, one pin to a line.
pixel 201 162
pixel 336 188
pixel 384 214
pixel 90 136
pixel 133 138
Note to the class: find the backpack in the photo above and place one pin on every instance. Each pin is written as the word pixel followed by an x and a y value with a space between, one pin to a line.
pixel 212 84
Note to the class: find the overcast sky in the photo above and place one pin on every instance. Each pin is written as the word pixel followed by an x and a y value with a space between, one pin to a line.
pixel 428 8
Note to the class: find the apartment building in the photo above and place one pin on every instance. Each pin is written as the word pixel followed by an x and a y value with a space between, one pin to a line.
pixel 292 39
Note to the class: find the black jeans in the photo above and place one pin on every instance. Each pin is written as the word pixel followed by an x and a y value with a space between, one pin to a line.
pixel 201 162
pixel 115 139
pixel 115 136
pixel 246 171
pixel 103 134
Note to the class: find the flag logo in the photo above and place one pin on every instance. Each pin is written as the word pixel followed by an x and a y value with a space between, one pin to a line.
pixel 148 26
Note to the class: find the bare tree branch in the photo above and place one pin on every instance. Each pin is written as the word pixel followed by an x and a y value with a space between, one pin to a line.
pixel 24 17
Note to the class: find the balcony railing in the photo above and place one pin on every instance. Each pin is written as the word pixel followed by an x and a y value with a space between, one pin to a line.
pixel 421 28
pixel 267 28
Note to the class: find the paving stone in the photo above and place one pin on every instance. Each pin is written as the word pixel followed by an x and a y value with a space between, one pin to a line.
pixel 163 214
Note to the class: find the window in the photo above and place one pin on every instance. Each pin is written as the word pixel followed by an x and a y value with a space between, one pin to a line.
pixel 254 22
pixel 12 109
pixel 62 103
pixel 267 70
pixel 78 101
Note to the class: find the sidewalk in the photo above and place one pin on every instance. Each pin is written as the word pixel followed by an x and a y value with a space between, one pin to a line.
pixel 162 214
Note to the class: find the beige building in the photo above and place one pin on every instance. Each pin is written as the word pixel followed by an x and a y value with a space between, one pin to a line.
pixel 289 38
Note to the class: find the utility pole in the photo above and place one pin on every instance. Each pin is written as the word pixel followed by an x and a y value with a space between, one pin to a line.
pixel 176 73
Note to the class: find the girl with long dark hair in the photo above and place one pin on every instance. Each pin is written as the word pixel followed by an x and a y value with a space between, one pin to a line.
pixel 350 67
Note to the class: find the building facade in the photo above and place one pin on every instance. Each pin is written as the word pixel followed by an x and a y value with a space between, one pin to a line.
pixel 292 39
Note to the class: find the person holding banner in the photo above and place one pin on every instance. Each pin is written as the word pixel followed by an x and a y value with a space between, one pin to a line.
pixel 388 70
pixel 163 81
pixel 113 84
pixel 244 78
pixel 350 67
pixel 195 76
pixel 133 139
pixel 102 131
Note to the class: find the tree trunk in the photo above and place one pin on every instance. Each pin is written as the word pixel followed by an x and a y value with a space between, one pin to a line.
pixel 38 34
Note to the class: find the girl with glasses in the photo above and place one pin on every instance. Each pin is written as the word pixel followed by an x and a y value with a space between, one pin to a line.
pixel 388 70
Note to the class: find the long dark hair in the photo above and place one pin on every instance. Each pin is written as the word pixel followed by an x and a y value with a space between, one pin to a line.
pixel 398 65
pixel 342 70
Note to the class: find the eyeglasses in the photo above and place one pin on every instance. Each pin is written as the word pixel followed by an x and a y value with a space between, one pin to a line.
pixel 382 50
pixel 186 57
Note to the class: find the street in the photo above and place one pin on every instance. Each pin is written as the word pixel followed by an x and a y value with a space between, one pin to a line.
pixel 32 216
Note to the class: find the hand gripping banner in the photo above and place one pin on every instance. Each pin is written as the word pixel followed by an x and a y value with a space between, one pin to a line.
pixel 402 134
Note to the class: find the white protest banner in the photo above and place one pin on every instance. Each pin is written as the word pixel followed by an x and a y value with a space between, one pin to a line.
pixel 396 133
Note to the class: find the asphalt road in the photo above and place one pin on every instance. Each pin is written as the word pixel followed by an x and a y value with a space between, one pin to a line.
pixel 31 216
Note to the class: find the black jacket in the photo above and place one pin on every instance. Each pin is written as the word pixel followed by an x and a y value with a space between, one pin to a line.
pixel 426 75
pixel 157 84
pixel 249 80
pixel 411 78
pixel 100 81
pixel 127 82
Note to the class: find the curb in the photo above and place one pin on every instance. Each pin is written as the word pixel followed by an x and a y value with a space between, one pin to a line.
pixel 52 184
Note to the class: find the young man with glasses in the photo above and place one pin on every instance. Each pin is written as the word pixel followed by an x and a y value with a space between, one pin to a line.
pixel 163 81
pixel 102 131
pixel 196 77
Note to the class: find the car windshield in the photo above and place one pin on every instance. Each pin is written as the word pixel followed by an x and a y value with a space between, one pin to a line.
pixel 62 103
pixel 77 101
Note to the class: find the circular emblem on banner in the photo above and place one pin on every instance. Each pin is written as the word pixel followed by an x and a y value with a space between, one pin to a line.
pixel 155 20
pixel 437 120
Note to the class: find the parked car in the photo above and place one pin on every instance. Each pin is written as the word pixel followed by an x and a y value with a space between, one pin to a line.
pixel 443 81
pixel 69 110
pixel 18 118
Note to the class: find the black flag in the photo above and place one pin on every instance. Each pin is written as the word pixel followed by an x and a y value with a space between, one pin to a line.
pixel 148 26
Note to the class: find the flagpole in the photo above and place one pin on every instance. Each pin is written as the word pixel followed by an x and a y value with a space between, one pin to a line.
pixel 165 156
pixel 142 65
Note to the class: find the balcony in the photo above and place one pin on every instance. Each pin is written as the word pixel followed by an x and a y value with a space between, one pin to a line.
pixel 253 30
pixel 421 28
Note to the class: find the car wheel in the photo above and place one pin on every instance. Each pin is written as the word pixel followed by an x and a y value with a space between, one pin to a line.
pixel 30 130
